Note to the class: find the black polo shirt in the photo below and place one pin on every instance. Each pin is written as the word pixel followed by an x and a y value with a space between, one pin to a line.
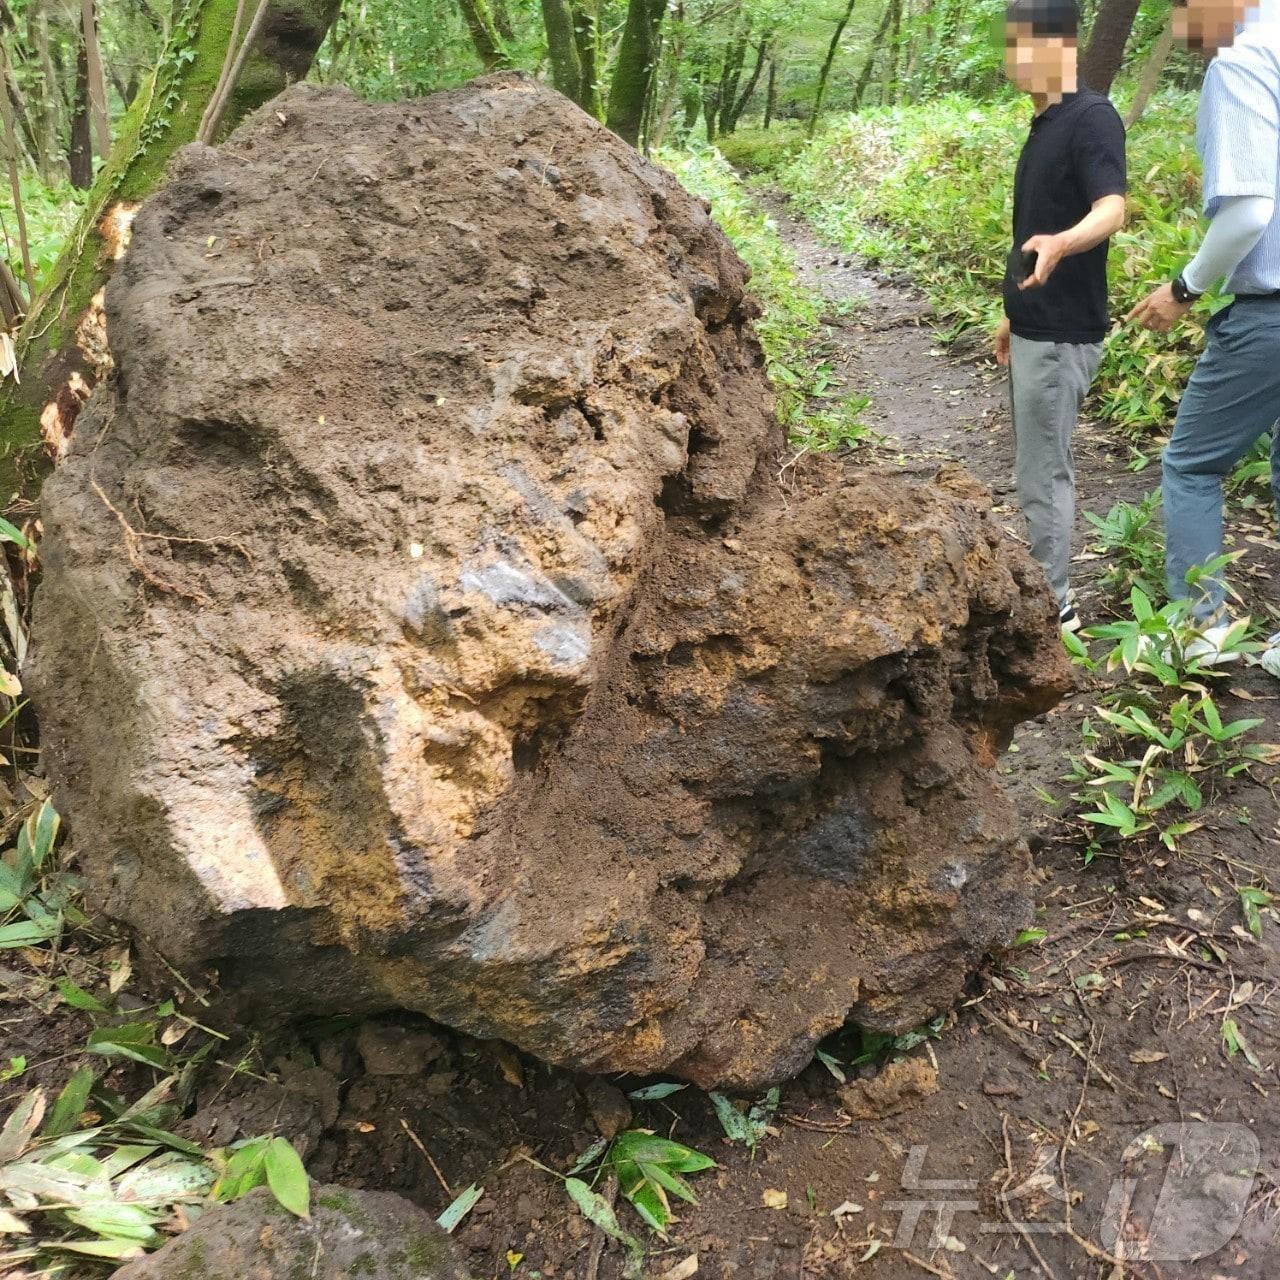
pixel 1073 157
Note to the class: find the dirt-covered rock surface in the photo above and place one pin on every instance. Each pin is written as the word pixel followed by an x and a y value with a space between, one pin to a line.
pixel 429 621
pixel 369 1234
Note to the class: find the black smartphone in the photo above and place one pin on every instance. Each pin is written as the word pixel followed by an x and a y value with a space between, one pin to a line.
pixel 1021 265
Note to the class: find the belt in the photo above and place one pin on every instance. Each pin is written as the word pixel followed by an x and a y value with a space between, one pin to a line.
pixel 1258 297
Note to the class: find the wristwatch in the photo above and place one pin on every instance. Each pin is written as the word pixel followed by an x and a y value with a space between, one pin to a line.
pixel 1182 294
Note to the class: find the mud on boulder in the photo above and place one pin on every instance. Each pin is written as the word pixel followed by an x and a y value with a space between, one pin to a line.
pixel 426 624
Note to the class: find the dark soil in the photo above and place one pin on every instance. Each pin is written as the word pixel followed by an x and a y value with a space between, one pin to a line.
pixel 1064 1055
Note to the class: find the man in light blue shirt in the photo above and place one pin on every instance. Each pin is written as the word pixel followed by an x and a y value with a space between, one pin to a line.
pixel 1233 396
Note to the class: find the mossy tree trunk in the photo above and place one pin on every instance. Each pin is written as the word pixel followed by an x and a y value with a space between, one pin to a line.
pixel 586 32
pixel 163 118
pixel 486 38
pixel 825 74
pixel 634 69
pixel 562 48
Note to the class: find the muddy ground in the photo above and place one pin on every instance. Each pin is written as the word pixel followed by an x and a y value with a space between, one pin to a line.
pixel 1063 1057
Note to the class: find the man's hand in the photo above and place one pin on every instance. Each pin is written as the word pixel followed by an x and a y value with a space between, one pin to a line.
pixel 1002 343
pixel 1159 311
pixel 1049 251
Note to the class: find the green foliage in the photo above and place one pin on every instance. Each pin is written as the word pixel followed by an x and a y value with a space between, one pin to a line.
pixel 51 213
pixel 36 896
pixel 1164 741
pixel 926 189
pixel 762 150
pixel 750 1126
pixel 1132 536
pixel 1250 483
pixel 649 1169
pixel 267 1161
pixel 1251 901
pixel 459 1207
pixel 112 1190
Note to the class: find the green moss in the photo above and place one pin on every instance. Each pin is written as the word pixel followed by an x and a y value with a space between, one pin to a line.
pixel 424 1252
pixel 339 1202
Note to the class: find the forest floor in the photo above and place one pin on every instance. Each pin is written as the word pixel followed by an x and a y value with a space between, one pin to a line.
pixel 1084 1107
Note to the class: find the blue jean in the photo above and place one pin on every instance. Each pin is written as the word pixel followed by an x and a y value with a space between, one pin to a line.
pixel 1233 397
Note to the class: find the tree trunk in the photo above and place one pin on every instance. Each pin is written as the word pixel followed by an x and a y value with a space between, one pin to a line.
pixel 80 151
pixel 562 48
pixel 586 34
pixel 711 109
pixel 633 72
pixel 674 60
pixel 825 73
pixel 730 77
pixel 502 21
pixel 744 98
pixel 50 158
pixel 1150 74
pixel 164 117
pixel 1104 54
pixel 895 54
pixel 484 33
pixel 691 102
pixel 771 93
pixel 97 82
pixel 864 78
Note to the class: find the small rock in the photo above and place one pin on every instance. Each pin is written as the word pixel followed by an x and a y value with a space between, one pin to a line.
pixel 389 1049
pixel 1001 1085
pixel 366 1233
pixel 899 1086
pixel 609 1107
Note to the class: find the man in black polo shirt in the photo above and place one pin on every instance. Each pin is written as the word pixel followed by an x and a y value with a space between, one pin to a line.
pixel 1068 201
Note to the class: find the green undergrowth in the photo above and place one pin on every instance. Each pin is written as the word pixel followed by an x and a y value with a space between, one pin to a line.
pixel 51 213
pixel 820 415
pixel 927 190
pixel 762 150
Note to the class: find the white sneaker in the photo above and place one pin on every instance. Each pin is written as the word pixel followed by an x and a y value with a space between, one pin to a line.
pixel 1206 648
pixel 1269 658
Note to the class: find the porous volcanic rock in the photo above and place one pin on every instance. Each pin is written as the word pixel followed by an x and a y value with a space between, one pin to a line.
pixel 428 620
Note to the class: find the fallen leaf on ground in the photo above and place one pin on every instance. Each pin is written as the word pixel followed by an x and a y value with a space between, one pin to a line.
pixel 682 1270
pixel 774 1199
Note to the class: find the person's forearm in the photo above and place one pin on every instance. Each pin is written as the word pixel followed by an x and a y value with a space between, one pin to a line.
pixel 1237 226
pixel 1099 224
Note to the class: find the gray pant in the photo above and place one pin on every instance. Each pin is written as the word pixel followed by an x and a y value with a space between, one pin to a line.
pixel 1232 399
pixel 1048 382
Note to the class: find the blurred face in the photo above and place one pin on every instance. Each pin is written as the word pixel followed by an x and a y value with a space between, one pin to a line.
pixel 1044 66
pixel 1208 25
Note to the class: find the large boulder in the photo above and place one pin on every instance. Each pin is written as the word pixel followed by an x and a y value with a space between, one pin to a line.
pixel 428 620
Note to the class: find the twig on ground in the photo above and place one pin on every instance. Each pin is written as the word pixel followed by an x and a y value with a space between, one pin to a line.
pixel 948 1274
pixel 1004 1203
pixel 435 1168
